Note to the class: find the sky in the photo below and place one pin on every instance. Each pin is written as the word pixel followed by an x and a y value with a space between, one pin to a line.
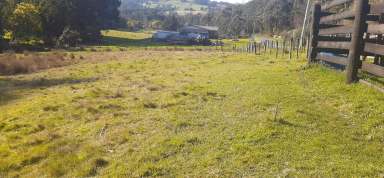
pixel 234 1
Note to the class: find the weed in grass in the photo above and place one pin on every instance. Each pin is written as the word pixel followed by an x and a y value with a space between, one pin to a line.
pixel 150 105
pixel 97 164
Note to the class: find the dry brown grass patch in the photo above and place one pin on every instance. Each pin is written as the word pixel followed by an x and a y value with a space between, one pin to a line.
pixel 11 64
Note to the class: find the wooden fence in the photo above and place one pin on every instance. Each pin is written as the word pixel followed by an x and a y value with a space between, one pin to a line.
pixel 349 33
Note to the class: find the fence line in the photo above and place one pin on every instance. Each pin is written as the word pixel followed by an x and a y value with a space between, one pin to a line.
pixel 291 47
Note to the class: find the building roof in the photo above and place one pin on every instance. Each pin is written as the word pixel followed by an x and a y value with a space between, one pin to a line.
pixel 163 31
pixel 199 29
pixel 209 28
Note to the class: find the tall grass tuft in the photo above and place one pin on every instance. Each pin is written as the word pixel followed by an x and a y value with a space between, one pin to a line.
pixel 11 63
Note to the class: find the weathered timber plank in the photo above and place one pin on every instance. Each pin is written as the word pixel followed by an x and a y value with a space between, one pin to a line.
pixel 334 38
pixel 373 69
pixel 333 45
pixel 377 8
pixel 371 17
pixel 330 25
pixel 376 28
pixel 333 4
pixel 322 14
pixel 314 33
pixel 332 59
pixel 334 51
pixel 356 44
pixel 336 30
pixel 372 85
pixel 374 48
pixel 343 15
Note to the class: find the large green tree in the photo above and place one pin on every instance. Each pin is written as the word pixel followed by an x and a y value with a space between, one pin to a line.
pixel 87 17
pixel 51 19
pixel 55 17
pixel 171 22
pixel 25 21
pixel 90 16
pixel 2 3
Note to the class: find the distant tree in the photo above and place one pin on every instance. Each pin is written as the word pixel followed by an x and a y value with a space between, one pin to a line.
pixel 171 22
pixel 88 17
pixel 25 21
pixel 2 3
pixel 202 2
pixel 50 20
pixel 55 16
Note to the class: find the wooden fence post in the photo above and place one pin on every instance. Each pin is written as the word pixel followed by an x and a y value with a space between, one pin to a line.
pixel 357 43
pixel 265 47
pixel 250 48
pixel 307 50
pixel 1 44
pixel 377 57
pixel 222 46
pixel 316 13
pixel 298 48
pixel 290 48
pixel 277 48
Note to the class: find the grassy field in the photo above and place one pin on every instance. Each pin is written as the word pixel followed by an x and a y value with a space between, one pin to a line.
pixel 147 113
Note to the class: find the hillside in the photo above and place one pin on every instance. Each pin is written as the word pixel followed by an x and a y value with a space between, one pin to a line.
pixel 181 7
pixel 256 16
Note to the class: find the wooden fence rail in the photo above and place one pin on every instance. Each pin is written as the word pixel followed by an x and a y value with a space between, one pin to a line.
pixel 351 38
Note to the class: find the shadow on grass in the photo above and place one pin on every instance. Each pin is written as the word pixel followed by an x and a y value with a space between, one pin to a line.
pixel 126 42
pixel 8 86
pixel 287 123
pixel 146 42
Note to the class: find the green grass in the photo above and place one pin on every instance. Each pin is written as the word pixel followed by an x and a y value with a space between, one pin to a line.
pixel 143 113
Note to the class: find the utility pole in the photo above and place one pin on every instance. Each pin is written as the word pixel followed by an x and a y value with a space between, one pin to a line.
pixel 304 23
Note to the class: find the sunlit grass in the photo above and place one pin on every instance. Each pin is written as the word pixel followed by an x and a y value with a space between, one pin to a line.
pixel 127 34
pixel 189 113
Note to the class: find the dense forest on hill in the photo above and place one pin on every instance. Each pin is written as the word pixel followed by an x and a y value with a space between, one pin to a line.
pixel 56 22
pixel 267 16
pixel 166 14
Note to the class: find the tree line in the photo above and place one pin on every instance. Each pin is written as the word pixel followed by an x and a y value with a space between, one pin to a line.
pixel 256 16
pixel 56 22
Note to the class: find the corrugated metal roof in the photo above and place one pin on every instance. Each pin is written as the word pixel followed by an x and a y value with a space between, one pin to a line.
pixel 198 28
pixel 210 28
